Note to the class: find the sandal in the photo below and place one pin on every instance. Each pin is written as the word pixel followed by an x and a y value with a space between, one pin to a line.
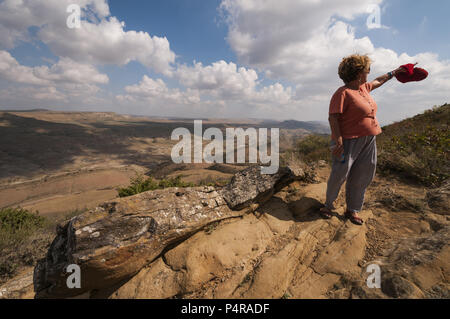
pixel 354 219
pixel 325 213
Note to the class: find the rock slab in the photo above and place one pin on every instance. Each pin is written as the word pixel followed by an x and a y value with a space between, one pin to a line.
pixel 114 241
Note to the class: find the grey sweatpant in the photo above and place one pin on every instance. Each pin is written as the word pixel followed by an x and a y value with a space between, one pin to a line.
pixel 358 169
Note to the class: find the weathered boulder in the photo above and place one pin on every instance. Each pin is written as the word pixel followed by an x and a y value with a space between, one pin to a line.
pixel 114 241
pixel 279 250
pixel 250 186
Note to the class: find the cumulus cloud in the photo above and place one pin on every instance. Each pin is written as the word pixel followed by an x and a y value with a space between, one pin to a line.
pixel 36 96
pixel 12 71
pixel 108 43
pixel 69 71
pixel 225 81
pixel 100 40
pixel 220 79
pixel 303 42
pixel 156 91
pixel 60 82
pixel 63 72
pixel 16 16
pixel 220 84
pixel 261 32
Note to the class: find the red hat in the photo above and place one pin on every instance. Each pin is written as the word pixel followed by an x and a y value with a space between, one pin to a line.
pixel 412 74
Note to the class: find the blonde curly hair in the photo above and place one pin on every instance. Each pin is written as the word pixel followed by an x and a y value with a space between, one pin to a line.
pixel 352 65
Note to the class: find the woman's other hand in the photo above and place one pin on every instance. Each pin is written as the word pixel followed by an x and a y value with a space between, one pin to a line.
pixel 338 150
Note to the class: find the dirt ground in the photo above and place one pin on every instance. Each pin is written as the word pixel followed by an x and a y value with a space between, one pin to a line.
pixel 391 222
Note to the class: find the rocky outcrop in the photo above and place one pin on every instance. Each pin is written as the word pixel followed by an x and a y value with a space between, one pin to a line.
pixel 281 250
pixel 114 241
pixel 250 186
pixel 258 237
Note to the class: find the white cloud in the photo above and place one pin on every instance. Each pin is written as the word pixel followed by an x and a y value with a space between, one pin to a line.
pixel 48 93
pixel 108 43
pixel 220 79
pixel 16 16
pixel 100 40
pixel 12 71
pixel 304 41
pixel 220 84
pixel 69 71
pixel 60 82
pixel 156 91
pixel 225 81
pixel 260 32
pixel 43 96
pixel 65 71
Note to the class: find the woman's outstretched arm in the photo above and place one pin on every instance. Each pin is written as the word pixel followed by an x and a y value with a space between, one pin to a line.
pixel 379 81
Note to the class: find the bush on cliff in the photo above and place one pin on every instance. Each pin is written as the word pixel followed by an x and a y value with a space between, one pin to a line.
pixel 417 148
pixel 141 184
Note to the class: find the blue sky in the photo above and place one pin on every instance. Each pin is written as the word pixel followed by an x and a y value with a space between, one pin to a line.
pixel 192 26
pixel 420 25
pixel 219 58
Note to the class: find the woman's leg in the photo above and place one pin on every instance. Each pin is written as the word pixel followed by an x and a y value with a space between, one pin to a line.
pixel 361 174
pixel 338 175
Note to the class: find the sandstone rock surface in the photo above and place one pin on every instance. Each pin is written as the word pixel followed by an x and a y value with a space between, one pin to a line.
pixel 114 241
pixel 259 238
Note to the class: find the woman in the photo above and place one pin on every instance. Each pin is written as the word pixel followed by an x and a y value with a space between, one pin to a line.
pixel 354 127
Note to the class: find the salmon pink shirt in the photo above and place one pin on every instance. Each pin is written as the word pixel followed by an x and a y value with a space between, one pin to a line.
pixel 358 111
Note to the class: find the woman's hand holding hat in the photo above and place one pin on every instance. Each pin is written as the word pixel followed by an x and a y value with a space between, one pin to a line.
pixel 405 68
pixel 410 73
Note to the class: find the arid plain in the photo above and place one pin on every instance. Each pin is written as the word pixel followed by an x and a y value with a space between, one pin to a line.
pixel 61 162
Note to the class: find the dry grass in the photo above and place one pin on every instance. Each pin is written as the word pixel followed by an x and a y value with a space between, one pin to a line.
pixel 418 149
pixel 311 148
pixel 24 239
pixel 141 184
pixel 389 198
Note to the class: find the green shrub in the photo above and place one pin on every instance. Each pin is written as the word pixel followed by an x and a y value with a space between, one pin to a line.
pixel 313 148
pixel 286 295
pixel 174 182
pixel 211 181
pixel 140 184
pixel 17 224
pixel 25 238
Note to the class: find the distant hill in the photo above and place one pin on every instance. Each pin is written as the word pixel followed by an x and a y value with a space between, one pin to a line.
pixel 312 126
pixel 317 127
pixel 31 110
